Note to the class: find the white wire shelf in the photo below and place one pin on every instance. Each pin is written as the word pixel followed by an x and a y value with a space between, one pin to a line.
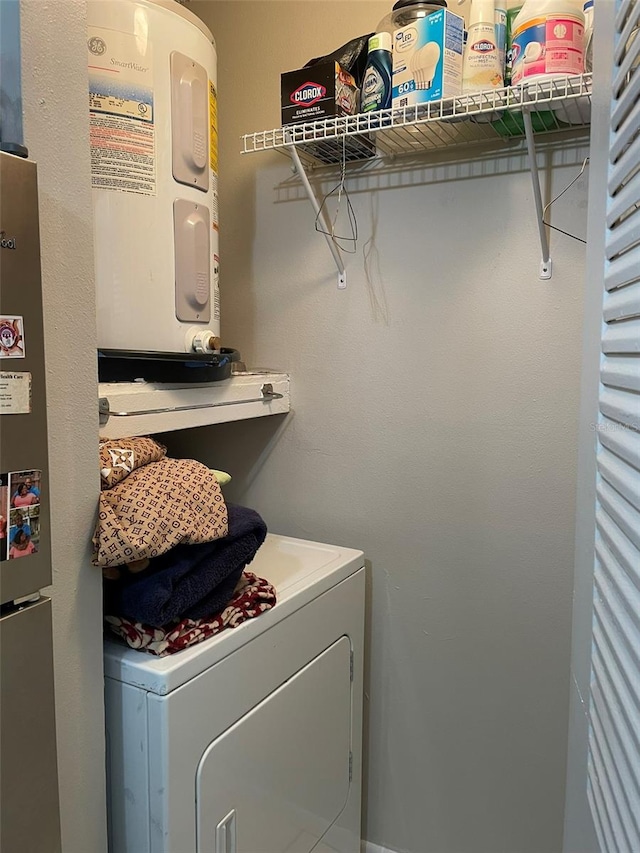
pixel 562 104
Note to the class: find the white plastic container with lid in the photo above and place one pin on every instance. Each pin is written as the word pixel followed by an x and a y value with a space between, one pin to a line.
pixel 548 40
pixel 406 12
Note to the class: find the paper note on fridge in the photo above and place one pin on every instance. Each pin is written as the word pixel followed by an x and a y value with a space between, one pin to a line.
pixel 15 393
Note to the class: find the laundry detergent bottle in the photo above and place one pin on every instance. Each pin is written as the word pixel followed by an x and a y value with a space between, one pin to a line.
pixel 482 64
pixel 376 86
pixel 548 40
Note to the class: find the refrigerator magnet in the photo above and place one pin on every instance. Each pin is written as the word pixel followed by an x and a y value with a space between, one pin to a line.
pixel 4 516
pixel 24 513
pixel 15 393
pixel 12 344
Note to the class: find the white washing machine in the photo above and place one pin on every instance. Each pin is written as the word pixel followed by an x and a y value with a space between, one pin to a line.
pixel 249 742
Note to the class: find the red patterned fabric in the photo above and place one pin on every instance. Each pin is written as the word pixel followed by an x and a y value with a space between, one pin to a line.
pixel 252 596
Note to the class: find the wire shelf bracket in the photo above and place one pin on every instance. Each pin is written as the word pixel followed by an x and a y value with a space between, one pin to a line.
pixel 546 264
pixel 333 248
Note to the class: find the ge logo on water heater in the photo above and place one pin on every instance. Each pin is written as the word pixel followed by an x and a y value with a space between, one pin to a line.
pixel 96 46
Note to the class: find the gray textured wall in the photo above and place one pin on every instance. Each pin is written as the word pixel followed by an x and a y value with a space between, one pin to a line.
pixel 435 424
pixel 57 135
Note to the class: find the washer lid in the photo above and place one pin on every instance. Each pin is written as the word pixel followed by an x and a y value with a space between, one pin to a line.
pixel 299 570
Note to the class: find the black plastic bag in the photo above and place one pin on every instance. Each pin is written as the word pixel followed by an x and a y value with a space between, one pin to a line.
pixel 352 56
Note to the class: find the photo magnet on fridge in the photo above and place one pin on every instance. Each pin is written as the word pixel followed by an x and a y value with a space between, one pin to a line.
pixel 23 526
pixel 12 344
pixel 4 515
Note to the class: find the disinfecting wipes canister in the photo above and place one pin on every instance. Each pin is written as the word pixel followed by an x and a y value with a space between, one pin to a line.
pixel 548 40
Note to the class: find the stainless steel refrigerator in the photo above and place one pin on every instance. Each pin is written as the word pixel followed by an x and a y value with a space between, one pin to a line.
pixel 29 809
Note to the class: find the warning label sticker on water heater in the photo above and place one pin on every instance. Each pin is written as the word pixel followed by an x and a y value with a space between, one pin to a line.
pixel 213 128
pixel 213 153
pixel 121 117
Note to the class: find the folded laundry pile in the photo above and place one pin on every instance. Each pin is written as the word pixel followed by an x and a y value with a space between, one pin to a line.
pixel 185 548
pixel 190 581
pixel 149 503
pixel 252 596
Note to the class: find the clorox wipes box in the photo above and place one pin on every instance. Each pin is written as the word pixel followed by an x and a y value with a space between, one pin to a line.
pixel 427 59
pixel 322 91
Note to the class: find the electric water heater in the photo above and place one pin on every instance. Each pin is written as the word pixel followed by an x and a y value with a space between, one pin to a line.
pixel 154 175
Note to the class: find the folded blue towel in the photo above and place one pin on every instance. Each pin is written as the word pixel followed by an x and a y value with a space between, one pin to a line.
pixel 189 581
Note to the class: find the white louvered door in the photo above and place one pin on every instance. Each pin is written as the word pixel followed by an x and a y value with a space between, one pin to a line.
pixel 614 718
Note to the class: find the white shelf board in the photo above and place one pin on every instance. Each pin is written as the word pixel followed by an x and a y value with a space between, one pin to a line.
pixel 134 406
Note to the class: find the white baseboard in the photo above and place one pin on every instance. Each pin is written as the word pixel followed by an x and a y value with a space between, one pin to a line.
pixel 369 847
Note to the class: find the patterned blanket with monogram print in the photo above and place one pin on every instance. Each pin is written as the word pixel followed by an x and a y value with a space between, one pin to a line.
pixel 150 503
